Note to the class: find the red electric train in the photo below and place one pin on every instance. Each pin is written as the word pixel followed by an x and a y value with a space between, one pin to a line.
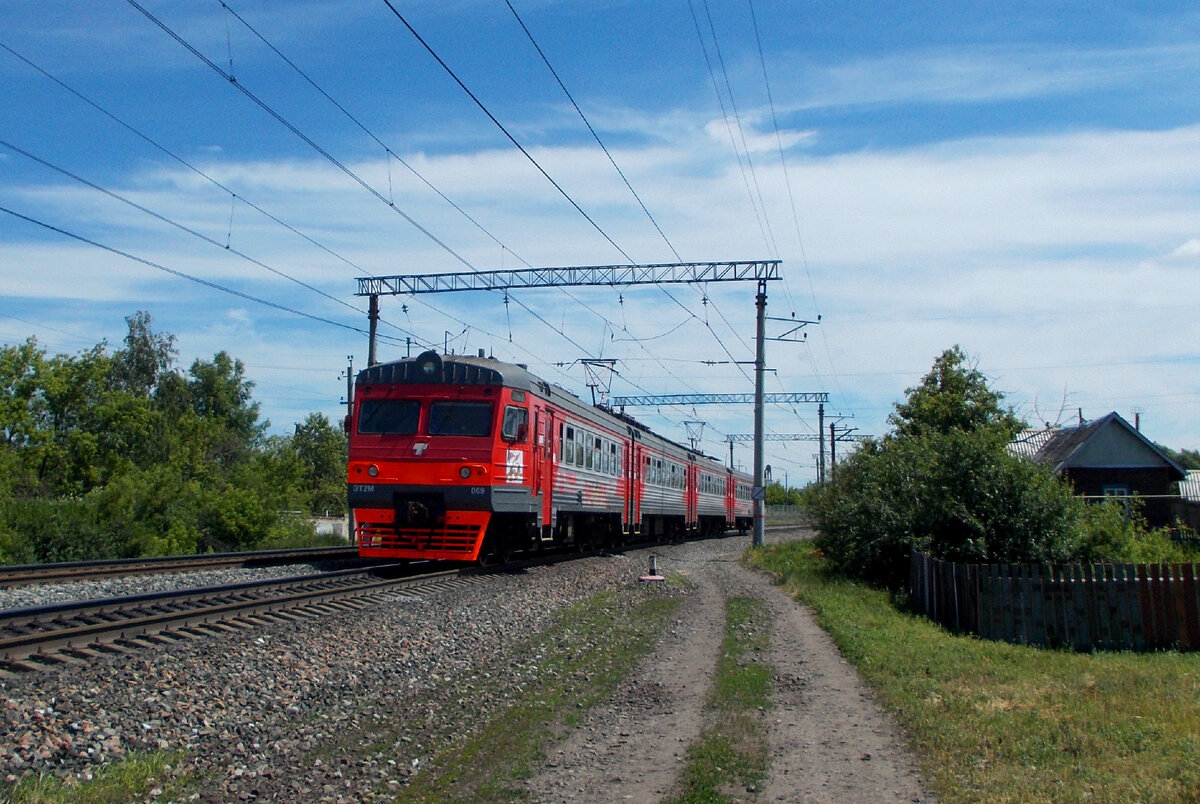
pixel 473 459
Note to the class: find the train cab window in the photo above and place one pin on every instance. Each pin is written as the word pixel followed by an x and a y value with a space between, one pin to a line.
pixel 388 416
pixel 460 418
pixel 515 427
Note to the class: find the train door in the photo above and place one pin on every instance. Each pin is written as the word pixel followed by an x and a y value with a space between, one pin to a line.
pixel 538 453
pixel 692 493
pixel 730 498
pixel 633 460
pixel 545 449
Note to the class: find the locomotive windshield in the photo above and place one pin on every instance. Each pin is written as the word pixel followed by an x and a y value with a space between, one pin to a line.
pixel 460 418
pixel 388 416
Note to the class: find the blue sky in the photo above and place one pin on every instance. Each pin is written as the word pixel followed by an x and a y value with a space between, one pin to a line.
pixel 1022 179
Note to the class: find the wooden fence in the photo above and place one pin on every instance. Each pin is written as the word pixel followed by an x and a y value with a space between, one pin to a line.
pixel 1136 607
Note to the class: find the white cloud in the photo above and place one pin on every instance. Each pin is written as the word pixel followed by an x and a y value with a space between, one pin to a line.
pixel 1188 250
pixel 979 73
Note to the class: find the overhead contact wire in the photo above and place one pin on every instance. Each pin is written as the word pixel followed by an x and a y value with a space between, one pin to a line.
pixel 392 154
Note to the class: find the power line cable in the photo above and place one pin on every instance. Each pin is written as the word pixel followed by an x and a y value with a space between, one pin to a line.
pixel 291 127
pixel 521 148
pixel 389 153
pixel 725 115
pixel 224 247
pixel 172 155
pixel 741 131
pixel 505 131
pixel 587 123
pixel 621 173
pixel 180 274
pixel 792 200
pixel 328 156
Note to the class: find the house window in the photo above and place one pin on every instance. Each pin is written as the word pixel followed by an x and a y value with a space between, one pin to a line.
pixel 1116 490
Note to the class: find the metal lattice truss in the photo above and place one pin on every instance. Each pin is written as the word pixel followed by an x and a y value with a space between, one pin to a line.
pixel 739 437
pixel 600 275
pixel 715 399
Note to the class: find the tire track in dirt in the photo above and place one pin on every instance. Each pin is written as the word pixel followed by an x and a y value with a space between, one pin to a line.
pixel 828 740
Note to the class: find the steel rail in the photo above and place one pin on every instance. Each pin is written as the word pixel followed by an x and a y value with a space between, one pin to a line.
pixel 39 633
pixel 26 574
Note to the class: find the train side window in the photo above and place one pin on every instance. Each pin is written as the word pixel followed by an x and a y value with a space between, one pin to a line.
pixel 515 427
pixel 388 416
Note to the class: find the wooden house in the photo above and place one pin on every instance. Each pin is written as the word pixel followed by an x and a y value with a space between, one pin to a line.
pixel 1108 457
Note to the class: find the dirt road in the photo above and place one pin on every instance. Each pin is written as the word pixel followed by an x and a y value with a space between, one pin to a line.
pixel 828 740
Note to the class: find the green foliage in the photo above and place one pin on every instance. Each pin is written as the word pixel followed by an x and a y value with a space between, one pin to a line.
pixel 124 455
pixel 323 450
pixel 952 397
pixel 943 483
pixel 1187 458
pixel 778 495
pixel 1115 531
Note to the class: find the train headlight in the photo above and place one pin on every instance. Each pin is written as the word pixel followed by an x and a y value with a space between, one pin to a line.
pixel 429 364
pixel 373 470
pixel 464 472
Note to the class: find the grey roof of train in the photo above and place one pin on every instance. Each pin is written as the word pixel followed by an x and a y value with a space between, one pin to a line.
pixel 468 370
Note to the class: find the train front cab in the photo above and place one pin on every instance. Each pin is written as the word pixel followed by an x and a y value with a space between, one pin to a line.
pixel 437 465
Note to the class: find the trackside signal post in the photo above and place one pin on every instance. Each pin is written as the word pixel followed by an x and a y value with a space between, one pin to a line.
pixel 607 275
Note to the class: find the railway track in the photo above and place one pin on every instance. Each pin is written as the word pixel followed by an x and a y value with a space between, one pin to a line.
pixel 26 574
pixel 45 637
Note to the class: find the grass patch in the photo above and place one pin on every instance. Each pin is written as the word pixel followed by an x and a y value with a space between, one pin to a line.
pixel 731 754
pixel 996 722
pixel 580 661
pixel 131 779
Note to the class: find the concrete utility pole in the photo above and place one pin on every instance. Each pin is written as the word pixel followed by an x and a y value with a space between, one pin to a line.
pixel 821 447
pixel 373 320
pixel 759 492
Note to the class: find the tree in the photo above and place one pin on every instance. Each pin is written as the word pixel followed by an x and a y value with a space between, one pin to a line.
pixel 942 482
pixel 952 396
pixel 145 358
pixel 219 392
pixel 1187 458
pixel 322 449
pixel 122 455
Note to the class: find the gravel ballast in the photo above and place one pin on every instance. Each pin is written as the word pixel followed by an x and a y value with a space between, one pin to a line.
pixel 247 706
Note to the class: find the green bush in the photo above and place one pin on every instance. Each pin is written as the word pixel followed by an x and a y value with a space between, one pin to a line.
pixel 958 496
pixel 943 483
pixel 1115 531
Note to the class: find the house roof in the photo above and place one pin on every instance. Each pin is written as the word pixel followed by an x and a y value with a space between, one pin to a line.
pixel 1108 442
pixel 1189 487
pixel 1026 444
